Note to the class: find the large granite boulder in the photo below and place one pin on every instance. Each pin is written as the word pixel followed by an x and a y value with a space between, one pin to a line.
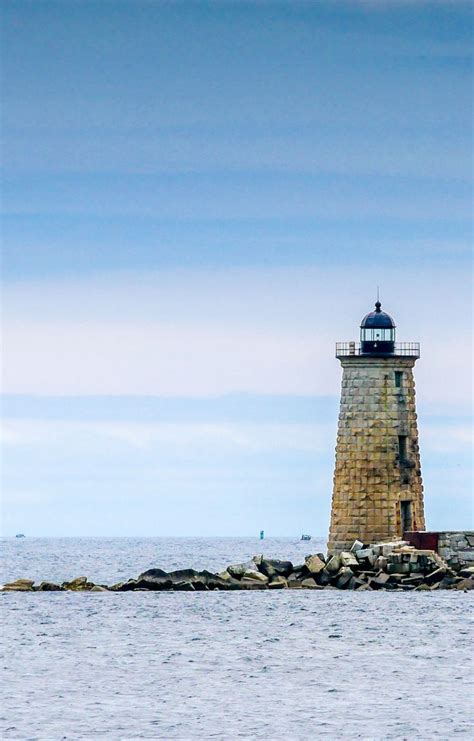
pixel 466 584
pixel 334 564
pixel 154 579
pixel 49 586
pixel 348 559
pixel 279 582
pixel 255 576
pixel 125 586
pixel 272 567
pixel 184 586
pixel 223 580
pixel 79 584
pixel 199 579
pixel 20 585
pixel 310 583
pixel 246 583
pixel 344 576
pixel 323 578
pixel 314 564
pixel 237 570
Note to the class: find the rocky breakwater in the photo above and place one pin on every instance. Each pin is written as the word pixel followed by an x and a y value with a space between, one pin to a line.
pixel 395 566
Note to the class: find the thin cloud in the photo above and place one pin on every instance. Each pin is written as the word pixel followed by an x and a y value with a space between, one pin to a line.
pixel 214 332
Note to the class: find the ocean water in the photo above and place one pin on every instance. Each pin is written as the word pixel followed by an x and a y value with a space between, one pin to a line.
pixel 224 665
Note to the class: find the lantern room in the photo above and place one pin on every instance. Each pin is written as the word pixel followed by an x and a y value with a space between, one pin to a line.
pixel 377 333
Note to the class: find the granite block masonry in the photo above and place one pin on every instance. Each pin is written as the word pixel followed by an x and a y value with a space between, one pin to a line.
pixel 456 547
pixel 378 489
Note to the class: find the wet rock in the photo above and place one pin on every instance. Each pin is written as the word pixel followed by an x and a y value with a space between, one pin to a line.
pixel 355 583
pixel 294 582
pixel 246 583
pixel 99 588
pixel 398 568
pixel 272 567
pixel 356 546
pixel 48 586
pixel 379 581
pixel 78 584
pixel 422 588
pixel 155 579
pixel 310 583
pixel 363 587
pixel 468 571
pixel 344 576
pixel 465 584
pixel 323 578
pixel 184 586
pixel 223 581
pixel 255 576
pixel 237 570
pixel 314 564
pixel 395 579
pixel 449 582
pixel 435 576
pixel 199 579
pixel 365 575
pixel 217 581
pixel 299 572
pixel 334 564
pixel 125 586
pixel 413 580
pixel 20 585
pixel 279 582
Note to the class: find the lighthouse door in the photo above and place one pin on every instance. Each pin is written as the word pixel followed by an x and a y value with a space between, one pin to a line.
pixel 406 519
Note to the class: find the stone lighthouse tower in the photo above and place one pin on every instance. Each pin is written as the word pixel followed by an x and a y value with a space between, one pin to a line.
pixel 378 491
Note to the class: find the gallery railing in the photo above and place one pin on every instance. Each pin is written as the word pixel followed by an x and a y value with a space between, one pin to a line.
pixel 404 349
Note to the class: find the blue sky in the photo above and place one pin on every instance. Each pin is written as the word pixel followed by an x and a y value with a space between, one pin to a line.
pixel 199 200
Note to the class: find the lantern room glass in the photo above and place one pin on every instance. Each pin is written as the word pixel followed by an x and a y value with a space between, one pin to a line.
pixel 377 334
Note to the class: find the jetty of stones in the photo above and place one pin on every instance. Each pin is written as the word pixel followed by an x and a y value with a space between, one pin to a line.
pixel 395 566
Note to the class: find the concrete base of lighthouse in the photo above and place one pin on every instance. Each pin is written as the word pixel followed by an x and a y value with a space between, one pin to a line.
pixel 378 491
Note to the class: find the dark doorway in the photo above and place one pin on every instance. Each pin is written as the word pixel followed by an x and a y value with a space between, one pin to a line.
pixel 406 516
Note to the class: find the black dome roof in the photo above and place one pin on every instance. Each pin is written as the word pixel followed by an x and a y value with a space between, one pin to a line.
pixel 377 319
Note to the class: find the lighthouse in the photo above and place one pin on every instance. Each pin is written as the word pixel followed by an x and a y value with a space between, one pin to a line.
pixel 378 489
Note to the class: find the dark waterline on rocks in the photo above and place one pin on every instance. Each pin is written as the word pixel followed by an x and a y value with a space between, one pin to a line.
pixel 284 665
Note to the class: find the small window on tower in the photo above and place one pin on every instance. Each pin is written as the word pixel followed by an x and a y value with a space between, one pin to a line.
pixel 402 448
pixel 398 379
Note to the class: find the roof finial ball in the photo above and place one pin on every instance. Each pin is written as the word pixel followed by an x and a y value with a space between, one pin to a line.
pixel 377 332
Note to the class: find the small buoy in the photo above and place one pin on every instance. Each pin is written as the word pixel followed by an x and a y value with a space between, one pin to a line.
pixel 262 534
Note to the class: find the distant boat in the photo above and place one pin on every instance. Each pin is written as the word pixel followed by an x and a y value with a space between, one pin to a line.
pixel 20 535
pixel 262 534
pixel 306 537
